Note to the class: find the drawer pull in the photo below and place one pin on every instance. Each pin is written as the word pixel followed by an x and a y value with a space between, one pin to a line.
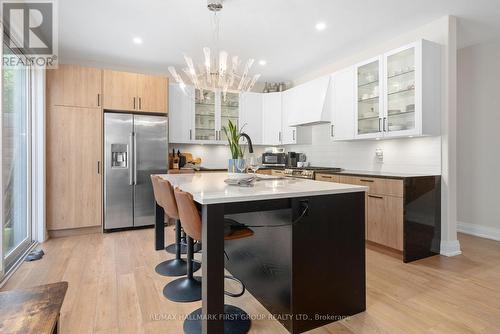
pixel 365 180
pixel 326 177
pixel 373 196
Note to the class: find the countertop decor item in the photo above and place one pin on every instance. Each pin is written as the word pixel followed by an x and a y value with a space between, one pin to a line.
pixel 217 72
pixel 233 134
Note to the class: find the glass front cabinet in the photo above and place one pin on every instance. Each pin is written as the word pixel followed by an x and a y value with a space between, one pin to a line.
pixel 212 112
pixel 230 111
pixel 398 93
pixel 205 115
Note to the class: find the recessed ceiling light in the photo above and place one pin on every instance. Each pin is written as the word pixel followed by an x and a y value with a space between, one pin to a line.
pixel 137 40
pixel 262 62
pixel 320 26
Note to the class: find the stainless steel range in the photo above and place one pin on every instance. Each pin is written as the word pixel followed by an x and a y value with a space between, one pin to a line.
pixel 308 172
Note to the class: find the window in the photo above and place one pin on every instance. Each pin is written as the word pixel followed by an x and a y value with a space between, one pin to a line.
pixel 16 162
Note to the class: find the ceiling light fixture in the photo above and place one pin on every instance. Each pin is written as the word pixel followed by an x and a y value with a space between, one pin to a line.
pixel 137 40
pixel 262 62
pixel 320 26
pixel 219 71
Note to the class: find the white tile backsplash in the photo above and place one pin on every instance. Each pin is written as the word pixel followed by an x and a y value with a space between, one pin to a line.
pixel 212 156
pixel 408 155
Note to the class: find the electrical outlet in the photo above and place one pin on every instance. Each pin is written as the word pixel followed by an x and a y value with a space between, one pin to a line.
pixel 379 153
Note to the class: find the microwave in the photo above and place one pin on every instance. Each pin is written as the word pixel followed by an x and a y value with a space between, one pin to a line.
pixel 274 159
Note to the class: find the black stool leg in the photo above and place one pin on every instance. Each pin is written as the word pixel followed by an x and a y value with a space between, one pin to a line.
pixel 185 289
pixel 236 321
pixel 178 266
pixel 172 249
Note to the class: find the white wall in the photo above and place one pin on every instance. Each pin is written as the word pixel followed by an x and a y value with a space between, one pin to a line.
pixel 478 139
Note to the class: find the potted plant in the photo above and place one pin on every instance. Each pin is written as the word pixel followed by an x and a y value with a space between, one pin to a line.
pixel 233 134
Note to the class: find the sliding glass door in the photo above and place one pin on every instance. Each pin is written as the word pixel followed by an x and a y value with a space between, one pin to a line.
pixel 16 162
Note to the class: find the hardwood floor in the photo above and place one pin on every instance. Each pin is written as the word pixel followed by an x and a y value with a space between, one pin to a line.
pixel 113 288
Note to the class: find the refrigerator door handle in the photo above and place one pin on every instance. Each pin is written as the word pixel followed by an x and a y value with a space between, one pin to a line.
pixel 131 154
pixel 135 158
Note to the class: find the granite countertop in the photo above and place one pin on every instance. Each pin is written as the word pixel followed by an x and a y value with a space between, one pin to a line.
pixel 210 188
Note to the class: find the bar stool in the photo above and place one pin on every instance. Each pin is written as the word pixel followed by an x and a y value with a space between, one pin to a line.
pixel 164 196
pixel 236 320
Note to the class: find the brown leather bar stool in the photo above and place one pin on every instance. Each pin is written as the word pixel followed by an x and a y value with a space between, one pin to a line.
pixel 164 196
pixel 236 321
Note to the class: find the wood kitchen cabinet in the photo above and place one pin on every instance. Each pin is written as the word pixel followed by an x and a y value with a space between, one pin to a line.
pixel 385 220
pixel 327 178
pixel 134 92
pixel 402 213
pixel 74 168
pixel 152 93
pixel 75 86
pixel 384 209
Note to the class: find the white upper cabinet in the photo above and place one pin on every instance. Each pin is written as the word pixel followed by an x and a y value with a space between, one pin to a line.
pixel 399 93
pixel 306 103
pixel 229 111
pixel 412 85
pixel 288 133
pixel 181 113
pixel 251 116
pixel 271 119
pixel 369 98
pixel 206 112
pixel 339 103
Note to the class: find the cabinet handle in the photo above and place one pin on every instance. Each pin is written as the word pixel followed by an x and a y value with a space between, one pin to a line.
pixel 332 130
pixel 377 197
pixel 98 167
pixel 385 121
pixel 190 134
pixel 140 103
pixel 365 180
pixel 279 136
pixel 134 103
pixel 98 100
pixel 379 126
pixel 326 176
pixel 293 134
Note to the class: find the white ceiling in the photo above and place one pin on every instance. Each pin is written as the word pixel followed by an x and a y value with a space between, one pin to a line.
pixel 280 31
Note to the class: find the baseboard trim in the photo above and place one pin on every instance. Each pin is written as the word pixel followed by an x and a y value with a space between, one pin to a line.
pixel 450 248
pixel 74 231
pixel 479 230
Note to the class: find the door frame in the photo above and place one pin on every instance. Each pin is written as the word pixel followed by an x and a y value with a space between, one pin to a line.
pixel 9 260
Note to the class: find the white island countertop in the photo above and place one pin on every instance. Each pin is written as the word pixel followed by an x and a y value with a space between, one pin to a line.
pixel 210 188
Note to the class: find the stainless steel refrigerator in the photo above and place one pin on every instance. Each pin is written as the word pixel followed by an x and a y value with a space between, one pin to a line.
pixel 135 146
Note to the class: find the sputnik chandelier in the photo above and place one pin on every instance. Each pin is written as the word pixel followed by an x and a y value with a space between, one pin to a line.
pixel 219 72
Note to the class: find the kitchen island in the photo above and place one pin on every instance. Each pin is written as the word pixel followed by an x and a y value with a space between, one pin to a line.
pixel 307 273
